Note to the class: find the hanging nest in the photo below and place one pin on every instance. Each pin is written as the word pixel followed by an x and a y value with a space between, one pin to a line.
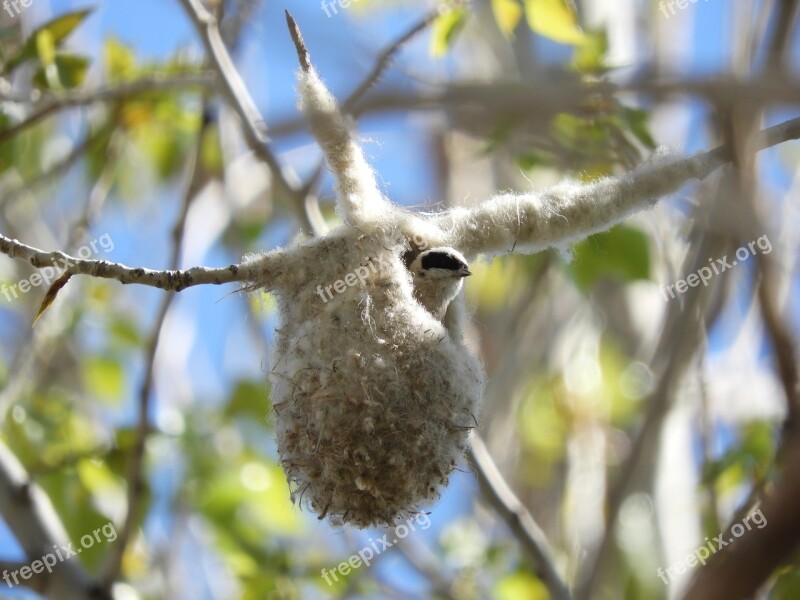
pixel 374 398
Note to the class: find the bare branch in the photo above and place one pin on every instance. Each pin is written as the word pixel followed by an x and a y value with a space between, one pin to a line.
pixel 252 121
pixel 136 475
pixel 30 515
pixel 171 280
pixel 517 517
pixel 384 60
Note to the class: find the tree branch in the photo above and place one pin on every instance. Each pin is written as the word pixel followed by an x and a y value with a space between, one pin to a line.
pixel 517 517
pixel 384 60
pixel 350 105
pixel 466 102
pixel 504 224
pixel 252 121
pixel 740 568
pixel 170 280
pixel 155 83
pixel 136 474
pixel 29 514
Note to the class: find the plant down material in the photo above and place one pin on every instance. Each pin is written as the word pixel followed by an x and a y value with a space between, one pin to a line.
pixel 375 397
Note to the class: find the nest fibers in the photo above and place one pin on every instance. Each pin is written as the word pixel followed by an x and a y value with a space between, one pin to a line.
pixel 374 396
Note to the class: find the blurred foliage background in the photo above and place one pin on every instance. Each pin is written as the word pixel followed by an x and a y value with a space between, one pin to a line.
pixel 579 344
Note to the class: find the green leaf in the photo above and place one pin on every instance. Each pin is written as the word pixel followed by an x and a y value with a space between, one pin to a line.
pixel 46 47
pixel 70 69
pixel 554 19
pixel 520 585
pixel 787 585
pixel 589 57
pixel 46 51
pixel 74 504
pixel 103 377
pixel 636 120
pixel 211 151
pixel 446 29
pixel 532 160
pixel 249 398
pixel 621 253
pixel 163 147
pixel 119 61
pixel 508 14
pixel 124 333
pixel 753 454
pixel 59 28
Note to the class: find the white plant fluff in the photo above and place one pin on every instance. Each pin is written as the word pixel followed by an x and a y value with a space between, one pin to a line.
pixel 374 397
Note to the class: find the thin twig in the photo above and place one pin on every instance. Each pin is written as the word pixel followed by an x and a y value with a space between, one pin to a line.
pixel 252 121
pixel 429 566
pixel 171 280
pixel 742 568
pixel 303 55
pixel 136 475
pixel 350 104
pixel 37 350
pixel 519 520
pixel 676 348
pixel 786 357
pixel 30 515
pixel 384 60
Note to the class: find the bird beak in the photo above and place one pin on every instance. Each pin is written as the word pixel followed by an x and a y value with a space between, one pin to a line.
pixel 464 272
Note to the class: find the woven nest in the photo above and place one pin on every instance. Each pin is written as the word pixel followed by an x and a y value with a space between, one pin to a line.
pixel 373 397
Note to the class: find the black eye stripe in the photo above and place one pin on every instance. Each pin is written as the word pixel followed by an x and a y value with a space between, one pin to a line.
pixel 441 260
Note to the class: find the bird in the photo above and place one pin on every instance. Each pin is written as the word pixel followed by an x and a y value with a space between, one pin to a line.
pixel 438 276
